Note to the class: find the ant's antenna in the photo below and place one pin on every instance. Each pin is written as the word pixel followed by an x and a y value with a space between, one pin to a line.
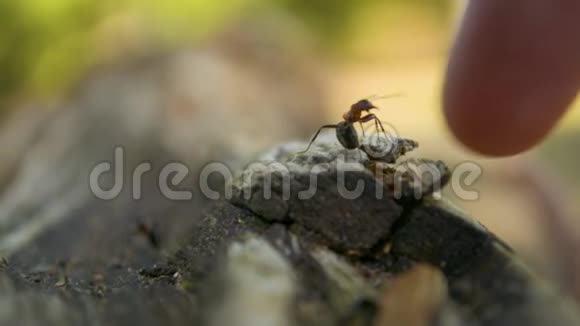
pixel 375 97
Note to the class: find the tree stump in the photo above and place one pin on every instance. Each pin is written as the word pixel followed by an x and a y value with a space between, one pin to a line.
pixel 301 258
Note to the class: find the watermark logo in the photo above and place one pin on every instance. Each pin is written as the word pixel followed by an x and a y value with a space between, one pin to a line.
pixel 276 177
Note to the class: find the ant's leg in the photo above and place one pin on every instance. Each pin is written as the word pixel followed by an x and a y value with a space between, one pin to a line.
pixel 378 123
pixel 316 135
pixel 362 128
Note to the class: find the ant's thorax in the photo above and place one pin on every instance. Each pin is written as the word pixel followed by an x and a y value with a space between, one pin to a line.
pixel 352 116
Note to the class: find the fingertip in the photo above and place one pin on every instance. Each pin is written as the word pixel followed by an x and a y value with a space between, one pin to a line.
pixel 498 119
pixel 495 119
pixel 492 133
pixel 512 74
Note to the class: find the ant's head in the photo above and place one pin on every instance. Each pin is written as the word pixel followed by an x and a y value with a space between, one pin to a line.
pixel 363 105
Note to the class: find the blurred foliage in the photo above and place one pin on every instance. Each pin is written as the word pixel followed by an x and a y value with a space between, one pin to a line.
pixel 331 20
pixel 46 44
pixel 34 33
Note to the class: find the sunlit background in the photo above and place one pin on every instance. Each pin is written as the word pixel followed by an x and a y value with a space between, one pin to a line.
pixel 352 49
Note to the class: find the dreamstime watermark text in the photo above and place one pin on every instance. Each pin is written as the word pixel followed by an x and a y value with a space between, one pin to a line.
pixel 276 177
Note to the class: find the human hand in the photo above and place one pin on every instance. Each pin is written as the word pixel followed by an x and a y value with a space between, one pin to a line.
pixel 513 72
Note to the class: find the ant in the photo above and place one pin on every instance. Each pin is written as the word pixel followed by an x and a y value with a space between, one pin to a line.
pixel 150 232
pixel 345 131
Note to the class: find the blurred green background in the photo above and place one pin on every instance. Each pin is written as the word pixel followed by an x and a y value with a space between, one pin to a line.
pixel 45 45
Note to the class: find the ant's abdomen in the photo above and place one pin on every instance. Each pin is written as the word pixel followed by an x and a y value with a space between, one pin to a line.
pixel 346 135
